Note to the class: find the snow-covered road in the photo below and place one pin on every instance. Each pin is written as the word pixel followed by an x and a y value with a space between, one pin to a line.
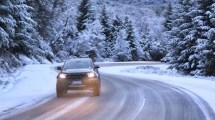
pixel 126 94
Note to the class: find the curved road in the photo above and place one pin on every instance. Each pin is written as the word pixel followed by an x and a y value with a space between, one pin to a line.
pixel 122 98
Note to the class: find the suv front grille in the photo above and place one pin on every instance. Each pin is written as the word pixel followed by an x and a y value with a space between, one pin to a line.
pixel 76 76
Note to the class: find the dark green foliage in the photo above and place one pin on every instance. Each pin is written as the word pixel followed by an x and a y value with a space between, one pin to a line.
pixel 206 36
pixel 23 30
pixel 45 13
pixel 7 34
pixel 131 39
pixel 186 40
pixel 42 16
pixel 7 25
pixel 193 34
pixel 211 37
pixel 19 38
pixel 84 15
pixel 106 31
pixel 168 18
pixel 117 24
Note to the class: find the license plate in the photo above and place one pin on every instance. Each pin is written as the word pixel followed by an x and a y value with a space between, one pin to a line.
pixel 76 82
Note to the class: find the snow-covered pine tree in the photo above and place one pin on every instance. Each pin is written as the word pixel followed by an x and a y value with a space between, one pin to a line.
pixel 74 43
pixel 121 50
pixel 46 14
pixel 130 37
pixel 168 18
pixel 7 25
pixel 7 33
pixel 117 24
pixel 167 25
pixel 145 44
pixel 26 37
pixel 24 28
pixel 193 52
pixel 186 60
pixel 85 15
pixel 62 45
pixel 97 41
pixel 184 38
pixel 93 42
pixel 106 31
pixel 166 35
pixel 205 45
pixel 211 37
pixel 173 51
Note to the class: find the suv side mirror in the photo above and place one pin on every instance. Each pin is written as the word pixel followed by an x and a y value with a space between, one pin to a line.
pixel 59 68
pixel 96 67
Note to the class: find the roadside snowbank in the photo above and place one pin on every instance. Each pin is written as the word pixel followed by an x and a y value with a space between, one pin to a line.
pixel 32 84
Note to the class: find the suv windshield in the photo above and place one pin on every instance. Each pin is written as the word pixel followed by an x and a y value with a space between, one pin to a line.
pixel 78 64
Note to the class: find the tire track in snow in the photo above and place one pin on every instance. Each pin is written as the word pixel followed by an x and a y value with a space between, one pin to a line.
pixel 108 104
pixel 134 101
pixel 56 113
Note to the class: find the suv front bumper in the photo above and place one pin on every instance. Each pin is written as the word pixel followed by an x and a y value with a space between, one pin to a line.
pixel 80 84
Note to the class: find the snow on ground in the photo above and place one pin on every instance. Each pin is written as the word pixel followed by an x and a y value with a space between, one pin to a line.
pixel 35 84
pixel 28 86
pixel 201 86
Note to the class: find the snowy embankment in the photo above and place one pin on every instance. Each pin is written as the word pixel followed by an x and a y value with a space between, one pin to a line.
pixel 35 84
pixel 201 86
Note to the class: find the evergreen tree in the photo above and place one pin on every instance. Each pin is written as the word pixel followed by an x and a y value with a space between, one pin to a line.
pixel 211 38
pixel 121 50
pixel 18 35
pixel 186 60
pixel 168 18
pixel 173 43
pixel 167 24
pixel 74 36
pixel 27 40
pixel 146 46
pixel 204 28
pixel 60 45
pixel 117 28
pixel 106 31
pixel 85 15
pixel 131 39
pixel 184 36
pixel 24 29
pixel 7 34
pixel 117 24
pixel 88 43
pixel 7 25
pixel 193 33
pixel 121 47
pixel 46 14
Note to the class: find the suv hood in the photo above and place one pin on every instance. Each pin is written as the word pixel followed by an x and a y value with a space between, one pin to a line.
pixel 77 70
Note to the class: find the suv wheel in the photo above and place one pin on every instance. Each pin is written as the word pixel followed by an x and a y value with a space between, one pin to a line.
pixel 61 88
pixel 96 90
pixel 60 93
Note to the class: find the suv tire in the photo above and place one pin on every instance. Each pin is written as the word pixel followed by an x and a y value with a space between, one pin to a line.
pixel 60 88
pixel 96 90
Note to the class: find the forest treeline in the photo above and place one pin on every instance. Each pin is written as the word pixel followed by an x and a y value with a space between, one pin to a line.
pixel 41 31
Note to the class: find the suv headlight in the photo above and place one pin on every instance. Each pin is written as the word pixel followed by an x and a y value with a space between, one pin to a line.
pixel 62 75
pixel 91 74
